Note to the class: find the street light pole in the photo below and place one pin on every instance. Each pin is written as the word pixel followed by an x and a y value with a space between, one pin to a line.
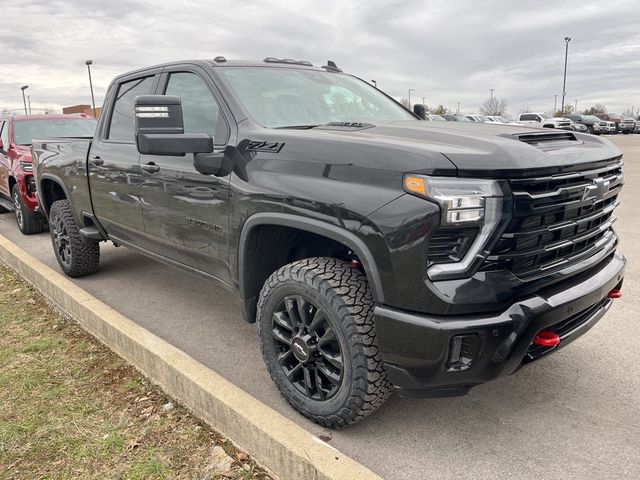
pixel 24 100
pixel 564 81
pixel 375 84
pixel 458 111
pixel 88 63
pixel 555 104
pixel 29 103
pixel 491 91
pixel 410 90
pixel 575 108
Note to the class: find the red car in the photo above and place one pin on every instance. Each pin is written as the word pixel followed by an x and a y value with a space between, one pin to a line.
pixel 17 185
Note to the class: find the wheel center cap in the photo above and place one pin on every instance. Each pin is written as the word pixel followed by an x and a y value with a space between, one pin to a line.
pixel 300 349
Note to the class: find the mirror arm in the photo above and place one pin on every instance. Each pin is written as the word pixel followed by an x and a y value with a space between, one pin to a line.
pixel 211 163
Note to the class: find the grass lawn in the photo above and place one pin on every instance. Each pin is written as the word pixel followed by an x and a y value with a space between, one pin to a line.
pixel 71 408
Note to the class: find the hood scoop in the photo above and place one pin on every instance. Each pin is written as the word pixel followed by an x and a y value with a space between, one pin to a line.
pixel 548 140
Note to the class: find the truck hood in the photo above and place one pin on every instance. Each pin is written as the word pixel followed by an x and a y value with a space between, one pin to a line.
pixel 486 150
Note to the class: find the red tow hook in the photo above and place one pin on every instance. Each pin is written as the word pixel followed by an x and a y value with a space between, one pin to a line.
pixel 546 338
pixel 615 293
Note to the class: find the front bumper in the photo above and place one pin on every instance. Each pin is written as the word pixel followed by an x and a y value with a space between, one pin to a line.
pixel 420 351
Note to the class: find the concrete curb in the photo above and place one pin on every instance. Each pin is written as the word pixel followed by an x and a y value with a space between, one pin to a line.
pixel 276 442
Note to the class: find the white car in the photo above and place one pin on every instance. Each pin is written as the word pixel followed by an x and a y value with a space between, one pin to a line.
pixel 499 119
pixel 611 128
pixel 540 119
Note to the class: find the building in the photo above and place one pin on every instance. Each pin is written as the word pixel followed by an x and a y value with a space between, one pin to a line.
pixel 86 109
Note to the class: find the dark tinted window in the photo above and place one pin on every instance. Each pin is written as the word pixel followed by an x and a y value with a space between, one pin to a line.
pixel 529 116
pixel 24 131
pixel 122 126
pixel 200 109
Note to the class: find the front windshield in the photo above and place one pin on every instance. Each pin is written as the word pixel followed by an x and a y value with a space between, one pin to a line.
pixel 437 118
pixel 502 119
pixel 545 115
pixel 288 97
pixel 593 118
pixel 24 131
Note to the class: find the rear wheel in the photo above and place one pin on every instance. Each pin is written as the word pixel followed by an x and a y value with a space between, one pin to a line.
pixel 315 319
pixel 76 255
pixel 28 221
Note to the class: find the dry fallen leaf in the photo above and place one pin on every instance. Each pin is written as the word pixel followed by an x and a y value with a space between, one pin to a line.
pixel 242 456
pixel 133 444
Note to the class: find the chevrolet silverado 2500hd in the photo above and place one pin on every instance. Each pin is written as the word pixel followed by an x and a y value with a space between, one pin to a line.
pixel 375 250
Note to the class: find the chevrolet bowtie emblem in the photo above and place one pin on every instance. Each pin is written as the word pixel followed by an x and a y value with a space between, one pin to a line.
pixel 597 191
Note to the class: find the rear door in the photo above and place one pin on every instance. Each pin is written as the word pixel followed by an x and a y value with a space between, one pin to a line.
pixel 185 212
pixel 113 162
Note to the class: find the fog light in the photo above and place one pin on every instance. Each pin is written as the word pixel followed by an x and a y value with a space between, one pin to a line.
pixel 463 350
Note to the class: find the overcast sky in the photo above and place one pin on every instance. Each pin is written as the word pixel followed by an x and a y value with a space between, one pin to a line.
pixel 447 51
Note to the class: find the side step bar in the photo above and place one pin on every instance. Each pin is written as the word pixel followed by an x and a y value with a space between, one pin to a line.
pixel 7 204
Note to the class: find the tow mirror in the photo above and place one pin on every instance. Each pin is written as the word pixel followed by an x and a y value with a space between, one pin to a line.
pixel 159 128
pixel 420 111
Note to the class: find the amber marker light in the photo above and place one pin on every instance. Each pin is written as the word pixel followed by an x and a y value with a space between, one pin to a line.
pixel 415 185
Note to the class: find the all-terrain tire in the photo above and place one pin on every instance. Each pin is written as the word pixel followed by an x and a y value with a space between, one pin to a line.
pixel 29 222
pixel 76 255
pixel 343 296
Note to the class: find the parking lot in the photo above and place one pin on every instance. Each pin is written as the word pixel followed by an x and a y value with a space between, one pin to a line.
pixel 573 415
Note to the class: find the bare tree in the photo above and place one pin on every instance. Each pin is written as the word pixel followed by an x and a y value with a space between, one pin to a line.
pixel 597 109
pixel 494 106
pixel 440 109
pixel 568 110
pixel 405 101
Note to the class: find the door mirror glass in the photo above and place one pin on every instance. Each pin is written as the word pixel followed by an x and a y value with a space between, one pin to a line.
pixel 159 128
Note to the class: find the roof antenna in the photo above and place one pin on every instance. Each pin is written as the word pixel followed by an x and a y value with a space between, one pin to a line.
pixel 332 67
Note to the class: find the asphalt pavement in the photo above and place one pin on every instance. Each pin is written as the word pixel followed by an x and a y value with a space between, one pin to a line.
pixel 573 415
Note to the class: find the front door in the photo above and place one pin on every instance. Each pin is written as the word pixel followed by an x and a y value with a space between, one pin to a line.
pixel 185 212
pixel 113 164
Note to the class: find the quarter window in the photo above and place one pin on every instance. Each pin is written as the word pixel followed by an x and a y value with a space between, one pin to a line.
pixel 121 128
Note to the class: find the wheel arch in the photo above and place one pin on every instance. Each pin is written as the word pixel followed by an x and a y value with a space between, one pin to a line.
pixel 250 285
pixel 51 188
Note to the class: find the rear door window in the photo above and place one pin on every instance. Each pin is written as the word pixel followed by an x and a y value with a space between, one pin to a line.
pixel 121 127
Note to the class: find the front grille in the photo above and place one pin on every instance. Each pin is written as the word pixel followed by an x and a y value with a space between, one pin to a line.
pixel 558 221
pixel 566 328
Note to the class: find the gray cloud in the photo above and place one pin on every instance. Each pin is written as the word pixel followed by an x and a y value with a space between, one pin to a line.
pixel 447 51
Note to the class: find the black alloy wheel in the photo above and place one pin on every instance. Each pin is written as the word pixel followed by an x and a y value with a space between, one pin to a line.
pixel 318 340
pixel 308 349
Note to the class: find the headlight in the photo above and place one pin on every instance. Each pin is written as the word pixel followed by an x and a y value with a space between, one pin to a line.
pixel 461 200
pixel 26 166
pixel 467 202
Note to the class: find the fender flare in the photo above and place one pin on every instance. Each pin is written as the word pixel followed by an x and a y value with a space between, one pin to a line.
pixel 318 227
pixel 58 180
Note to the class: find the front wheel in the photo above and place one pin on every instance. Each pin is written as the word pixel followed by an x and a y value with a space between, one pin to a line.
pixel 315 320
pixel 77 256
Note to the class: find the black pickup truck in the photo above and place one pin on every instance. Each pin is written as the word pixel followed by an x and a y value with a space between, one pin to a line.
pixel 375 250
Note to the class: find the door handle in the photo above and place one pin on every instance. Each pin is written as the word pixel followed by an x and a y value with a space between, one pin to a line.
pixel 150 167
pixel 97 161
